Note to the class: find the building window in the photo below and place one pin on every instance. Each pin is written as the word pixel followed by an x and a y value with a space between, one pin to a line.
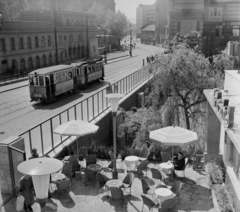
pixel 60 39
pixel 2 44
pixel 236 31
pixel 29 43
pixel 36 42
pixel 12 43
pixel 21 43
pixel 71 38
pixel 215 11
pixel 49 41
pixel 43 44
pixel 218 31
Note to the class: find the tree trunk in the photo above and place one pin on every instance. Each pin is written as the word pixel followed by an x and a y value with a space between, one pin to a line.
pixel 187 118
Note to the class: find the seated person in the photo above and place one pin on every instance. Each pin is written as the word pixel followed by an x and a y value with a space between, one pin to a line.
pixel 34 154
pixel 179 161
pixel 73 159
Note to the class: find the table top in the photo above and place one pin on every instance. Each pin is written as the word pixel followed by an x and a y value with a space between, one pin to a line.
pixel 114 183
pixel 131 158
pixel 58 177
pixel 163 192
pixel 95 167
pixel 166 165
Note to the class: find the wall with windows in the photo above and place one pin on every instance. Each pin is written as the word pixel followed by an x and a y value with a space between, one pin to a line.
pixel 27 45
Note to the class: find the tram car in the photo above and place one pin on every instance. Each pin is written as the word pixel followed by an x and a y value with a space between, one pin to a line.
pixel 51 83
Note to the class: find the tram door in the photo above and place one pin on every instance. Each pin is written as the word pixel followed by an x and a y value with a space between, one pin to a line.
pixel 52 84
pixel 47 83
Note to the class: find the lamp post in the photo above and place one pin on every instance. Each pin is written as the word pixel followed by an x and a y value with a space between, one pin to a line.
pixel 113 100
pixel 105 48
pixel 40 170
pixel 130 50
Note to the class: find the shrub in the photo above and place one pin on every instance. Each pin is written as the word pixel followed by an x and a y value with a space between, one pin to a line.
pixel 215 172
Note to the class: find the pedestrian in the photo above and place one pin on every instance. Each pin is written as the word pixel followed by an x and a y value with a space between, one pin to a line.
pixel 26 190
pixel 34 154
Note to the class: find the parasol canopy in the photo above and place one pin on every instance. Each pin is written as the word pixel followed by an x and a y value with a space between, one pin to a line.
pixel 76 128
pixel 173 136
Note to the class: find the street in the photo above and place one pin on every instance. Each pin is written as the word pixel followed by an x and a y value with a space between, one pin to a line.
pixel 18 114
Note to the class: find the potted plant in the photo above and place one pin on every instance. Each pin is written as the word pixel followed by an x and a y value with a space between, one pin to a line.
pixel 214 173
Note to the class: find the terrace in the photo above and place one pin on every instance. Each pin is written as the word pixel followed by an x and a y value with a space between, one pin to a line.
pixel 194 194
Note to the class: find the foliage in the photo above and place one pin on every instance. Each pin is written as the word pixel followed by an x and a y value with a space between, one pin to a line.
pixel 223 199
pixel 137 125
pixel 215 172
pixel 181 78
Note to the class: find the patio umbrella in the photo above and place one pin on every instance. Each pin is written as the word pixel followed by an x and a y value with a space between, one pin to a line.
pixel 76 128
pixel 173 136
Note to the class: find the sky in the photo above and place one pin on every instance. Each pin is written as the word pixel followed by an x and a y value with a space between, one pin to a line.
pixel 128 7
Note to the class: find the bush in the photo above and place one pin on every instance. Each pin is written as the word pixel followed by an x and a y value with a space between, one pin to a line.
pixel 223 199
pixel 215 172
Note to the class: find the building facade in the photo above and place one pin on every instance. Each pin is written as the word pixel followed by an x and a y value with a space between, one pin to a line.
pixel 217 21
pixel 145 16
pixel 148 35
pixel 44 38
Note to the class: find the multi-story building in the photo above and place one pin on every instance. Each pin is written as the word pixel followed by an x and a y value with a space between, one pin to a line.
pixel 217 21
pixel 148 35
pixel 44 38
pixel 145 16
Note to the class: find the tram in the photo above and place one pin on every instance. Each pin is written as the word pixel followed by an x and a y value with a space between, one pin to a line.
pixel 50 83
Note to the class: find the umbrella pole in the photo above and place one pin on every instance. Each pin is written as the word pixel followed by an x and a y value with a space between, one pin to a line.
pixel 172 160
pixel 77 146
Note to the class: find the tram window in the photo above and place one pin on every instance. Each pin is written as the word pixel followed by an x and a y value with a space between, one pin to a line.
pixel 78 71
pixel 89 69
pixel 35 80
pixel 58 78
pixel 46 81
pixel 70 75
pixel 41 82
pixel 31 80
pixel 93 68
pixel 85 69
pixel 63 76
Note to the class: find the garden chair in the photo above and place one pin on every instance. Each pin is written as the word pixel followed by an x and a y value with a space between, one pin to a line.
pixel 183 169
pixel 156 175
pixel 63 185
pixel 146 188
pixel 118 160
pixel 77 168
pixel 128 180
pixel 143 166
pixel 176 189
pixel 67 170
pixel 90 176
pixel 165 157
pixel 168 205
pixel 117 194
pixel 91 159
pixel 82 153
pixel 144 154
pixel 101 181
pixel 149 203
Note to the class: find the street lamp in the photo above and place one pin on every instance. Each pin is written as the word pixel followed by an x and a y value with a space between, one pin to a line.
pixel 113 100
pixel 130 50
pixel 40 170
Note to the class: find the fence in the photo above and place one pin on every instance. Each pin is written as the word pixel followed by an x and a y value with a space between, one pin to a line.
pixel 42 137
pixel 12 76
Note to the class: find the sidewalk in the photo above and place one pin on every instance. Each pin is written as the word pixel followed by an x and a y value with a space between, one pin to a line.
pixel 15 84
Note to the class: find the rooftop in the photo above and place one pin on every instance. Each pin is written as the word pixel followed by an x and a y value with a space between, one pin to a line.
pixel 149 28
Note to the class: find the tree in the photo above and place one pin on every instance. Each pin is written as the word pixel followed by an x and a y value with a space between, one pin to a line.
pixel 181 77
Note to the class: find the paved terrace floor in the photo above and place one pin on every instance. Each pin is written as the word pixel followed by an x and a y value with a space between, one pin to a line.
pixel 195 194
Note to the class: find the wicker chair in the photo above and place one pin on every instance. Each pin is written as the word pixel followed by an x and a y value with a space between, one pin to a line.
pixel 101 181
pixel 183 169
pixel 67 170
pixel 143 166
pixel 156 175
pixel 90 176
pixel 144 154
pixel 165 157
pixel 117 194
pixel 146 188
pixel 63 185
pixel 149 203
pixel 176 189
pixel 82 153
pixel 91 159
pixel 77 168
pixel 128 180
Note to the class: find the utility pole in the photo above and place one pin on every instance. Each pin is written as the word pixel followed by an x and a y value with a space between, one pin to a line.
pixel 105 49
pixel 87 49
pixel 130 50
pixel 55 30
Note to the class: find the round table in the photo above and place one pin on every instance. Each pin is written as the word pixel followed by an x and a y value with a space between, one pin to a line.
pixel 58 177
pixel 165 165
pixel 95 167
pixel 162 193
pixel 131 160
pixel 114 183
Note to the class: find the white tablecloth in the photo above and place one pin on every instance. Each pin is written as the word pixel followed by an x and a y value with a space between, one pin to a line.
pixel 131 160
pixel 162 194
pixel 165 165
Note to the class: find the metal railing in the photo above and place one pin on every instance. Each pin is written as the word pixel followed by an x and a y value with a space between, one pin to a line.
pixel 42 136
